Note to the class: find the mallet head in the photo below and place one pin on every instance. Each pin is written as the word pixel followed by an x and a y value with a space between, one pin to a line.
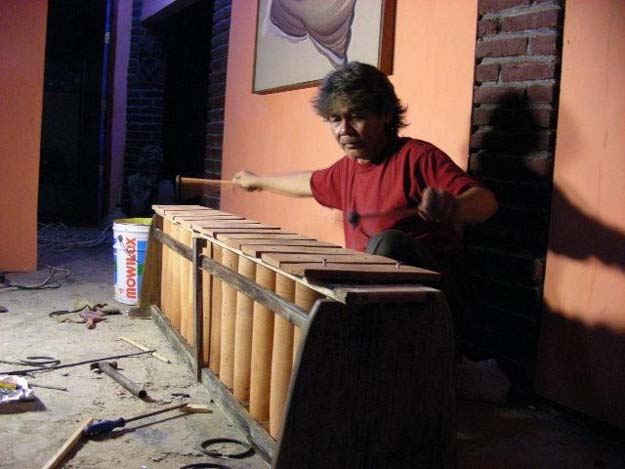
pixel 353 218
pixel 96 365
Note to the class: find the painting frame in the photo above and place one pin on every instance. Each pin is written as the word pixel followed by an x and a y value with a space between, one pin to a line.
pixel 281 51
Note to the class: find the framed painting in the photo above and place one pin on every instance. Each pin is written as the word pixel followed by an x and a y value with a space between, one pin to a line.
pixel 299 41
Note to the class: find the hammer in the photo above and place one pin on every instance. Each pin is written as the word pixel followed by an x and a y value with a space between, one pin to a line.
pixel 110 368
pixel 189 188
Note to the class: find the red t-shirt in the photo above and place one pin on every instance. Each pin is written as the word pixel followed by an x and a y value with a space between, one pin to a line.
pixel 395 183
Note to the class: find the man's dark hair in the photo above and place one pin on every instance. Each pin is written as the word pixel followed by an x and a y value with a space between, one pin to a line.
pixel 359 86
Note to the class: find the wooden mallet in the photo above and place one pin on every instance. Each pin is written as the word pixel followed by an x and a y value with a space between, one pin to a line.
pixel 190 188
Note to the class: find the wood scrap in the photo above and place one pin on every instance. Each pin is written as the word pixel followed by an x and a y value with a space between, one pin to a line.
pixel 196 409
pixel 144 348
pixel 71 442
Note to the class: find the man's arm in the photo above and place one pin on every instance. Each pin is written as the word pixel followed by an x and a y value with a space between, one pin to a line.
pixel 293 184
pixel 473 206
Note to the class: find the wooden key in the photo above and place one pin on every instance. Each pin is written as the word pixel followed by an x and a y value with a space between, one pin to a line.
pixel 258 250
pixel 239 243
pixel 212 232
pixel 361 272
pixel 280 259
pixel 219 223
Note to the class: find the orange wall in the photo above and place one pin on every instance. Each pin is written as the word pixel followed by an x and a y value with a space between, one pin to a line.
pixel 582 345
pixel 433 75
pixel 22 54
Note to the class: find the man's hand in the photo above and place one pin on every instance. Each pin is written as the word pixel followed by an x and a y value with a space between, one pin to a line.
pixel 247 180
pixel 438 206
pixel 293 184
pixel 475 205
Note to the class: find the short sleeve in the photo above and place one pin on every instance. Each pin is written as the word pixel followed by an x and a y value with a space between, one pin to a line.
pixel 440 172
pixel 327 184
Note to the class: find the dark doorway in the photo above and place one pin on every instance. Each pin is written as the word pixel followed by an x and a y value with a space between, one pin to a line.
pixel 186 89
pixel 71 144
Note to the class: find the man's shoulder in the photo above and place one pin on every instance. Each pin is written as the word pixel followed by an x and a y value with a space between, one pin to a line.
pixel 413 148
pixel 341 162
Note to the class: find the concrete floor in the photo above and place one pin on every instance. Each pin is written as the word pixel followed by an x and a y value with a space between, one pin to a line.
pixel 488 436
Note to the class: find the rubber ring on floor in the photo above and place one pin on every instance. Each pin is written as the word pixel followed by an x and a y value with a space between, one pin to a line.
pixel 247 449
pixel 40 360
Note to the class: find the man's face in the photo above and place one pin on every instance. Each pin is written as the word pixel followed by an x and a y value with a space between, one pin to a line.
pixel 361 134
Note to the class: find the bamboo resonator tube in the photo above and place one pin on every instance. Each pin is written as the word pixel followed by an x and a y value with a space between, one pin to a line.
pixel 262 347
pixel 282 359
pixel 177 282
pixel 229 260
pixel 243 335
pixel 214 352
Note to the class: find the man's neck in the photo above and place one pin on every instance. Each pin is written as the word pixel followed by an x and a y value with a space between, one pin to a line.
pixel 389 147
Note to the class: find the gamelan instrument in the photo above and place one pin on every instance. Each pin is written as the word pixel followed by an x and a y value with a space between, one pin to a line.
pixel 322 356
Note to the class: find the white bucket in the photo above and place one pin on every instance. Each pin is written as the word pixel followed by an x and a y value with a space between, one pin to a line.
pixel 130 237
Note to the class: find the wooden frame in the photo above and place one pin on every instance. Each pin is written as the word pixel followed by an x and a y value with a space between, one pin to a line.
pixel 370 373
pixel 300 58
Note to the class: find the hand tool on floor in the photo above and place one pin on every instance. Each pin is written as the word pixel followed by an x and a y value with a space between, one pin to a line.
pixel 107 426
pixel 57 367
pixel 110 369
pixel 47 386
pixel 143 347
pixel 71 442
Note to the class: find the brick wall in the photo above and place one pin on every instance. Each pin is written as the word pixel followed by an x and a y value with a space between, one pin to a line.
pixel 514 117
pixel 145 103
pixel 217 95
pixel 146 88
pixel 146 70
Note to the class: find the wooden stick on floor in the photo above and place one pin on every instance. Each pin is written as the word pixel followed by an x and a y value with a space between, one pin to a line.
pixel 145 349
pixel 71 442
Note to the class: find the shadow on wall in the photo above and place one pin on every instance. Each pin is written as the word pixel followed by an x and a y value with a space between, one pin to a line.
pixel 588 237
pixel 581 347
pixel 507 254
pixel 147 186
pixel 584 371
pixel 515 151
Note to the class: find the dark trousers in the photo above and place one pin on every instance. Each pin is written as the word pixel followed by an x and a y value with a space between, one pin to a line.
pixel 454 282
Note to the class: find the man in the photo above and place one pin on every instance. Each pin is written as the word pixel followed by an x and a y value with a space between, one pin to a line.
pixel 402 198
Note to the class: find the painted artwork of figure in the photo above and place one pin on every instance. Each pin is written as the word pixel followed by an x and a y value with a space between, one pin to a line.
pixel 299 41
pixel 327 24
